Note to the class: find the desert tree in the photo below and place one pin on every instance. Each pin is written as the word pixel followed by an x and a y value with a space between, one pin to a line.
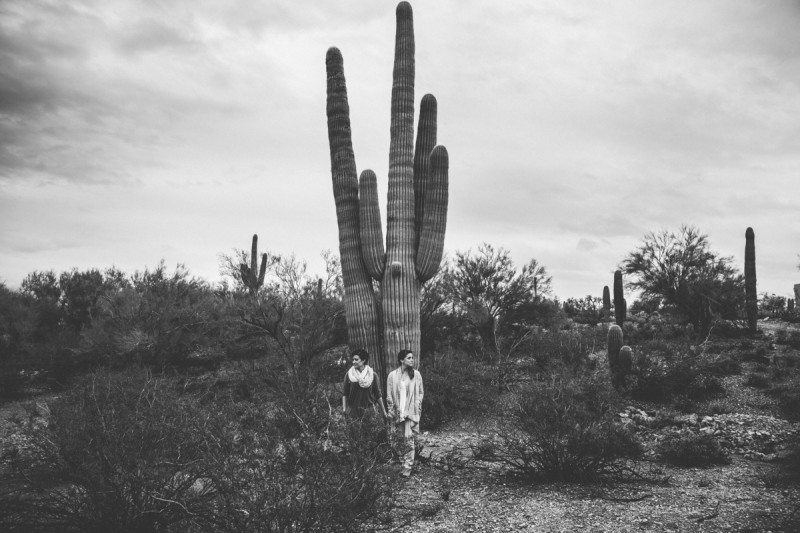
pixel 681 268
pixel 489 290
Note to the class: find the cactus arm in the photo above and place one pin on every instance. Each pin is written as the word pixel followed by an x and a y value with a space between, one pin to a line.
pixel 431 240
pixel 359 300
pixel 370 225
pixel 263 271
pixel 426 140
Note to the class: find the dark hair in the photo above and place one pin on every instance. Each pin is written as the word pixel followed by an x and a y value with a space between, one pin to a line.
pixel 362 354
pixel 402 355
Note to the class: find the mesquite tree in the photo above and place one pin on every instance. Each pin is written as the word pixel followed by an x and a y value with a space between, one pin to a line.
pixel 389 321
pixel 750 299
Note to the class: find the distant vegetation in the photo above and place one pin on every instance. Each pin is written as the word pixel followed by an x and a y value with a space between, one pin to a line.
pixel 182 403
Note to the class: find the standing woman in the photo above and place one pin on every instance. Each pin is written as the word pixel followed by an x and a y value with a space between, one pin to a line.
pixel 404 395
pixel 361 389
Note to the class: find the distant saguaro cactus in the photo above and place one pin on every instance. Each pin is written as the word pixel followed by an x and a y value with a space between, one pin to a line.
pixel 606 302
pixel 416 209
pixel 620 305
pixel 250 279
pixel 751 299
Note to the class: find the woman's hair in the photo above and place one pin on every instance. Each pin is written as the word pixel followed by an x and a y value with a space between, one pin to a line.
pixel 402 355
pixel 362 354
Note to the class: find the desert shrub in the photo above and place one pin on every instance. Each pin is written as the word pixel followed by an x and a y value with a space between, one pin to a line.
pixel 586 310
pixel 668 374
pixel 455 385
pixel 757 355
pixel 133 452
pixel 692 450
pixel 719 407
pixel 722 366
pixel 120 453
pixel 759 380
pixel 685 404
pixel 771 305
pixel 545 351
pixel 788 395
pixel 788 337
pixel 160 320
pixel 564 429
pixel 310 473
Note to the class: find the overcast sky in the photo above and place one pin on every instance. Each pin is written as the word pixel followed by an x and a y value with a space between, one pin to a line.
pixel 136 131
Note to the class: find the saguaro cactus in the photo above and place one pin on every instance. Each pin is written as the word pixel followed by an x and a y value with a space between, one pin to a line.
pixel 416 209
pixel 613 345
pixel 751 300
pixel 606 302
pixel 252 276
pixel 620 305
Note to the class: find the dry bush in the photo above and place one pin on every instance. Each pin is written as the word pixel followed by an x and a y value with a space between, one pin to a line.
pixel 133 452
pixel 564 429
pixel 455 386
pixel 692 450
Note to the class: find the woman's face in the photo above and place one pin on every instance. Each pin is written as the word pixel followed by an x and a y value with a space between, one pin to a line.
pixel 408 360
pixel 358 363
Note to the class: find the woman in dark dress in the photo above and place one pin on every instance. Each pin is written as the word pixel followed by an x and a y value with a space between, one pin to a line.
pixel 361 387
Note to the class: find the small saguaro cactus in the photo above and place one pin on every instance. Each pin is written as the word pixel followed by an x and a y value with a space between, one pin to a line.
pixel 250 279
pixel 796 293
pixel 751 299
pixel 620 305
pixel 614 343
pixel 625 360
pixel 606 302
pixel 416 210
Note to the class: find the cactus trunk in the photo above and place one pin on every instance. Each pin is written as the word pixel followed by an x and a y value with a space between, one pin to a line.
pixel 751 299
pixel 416 205
pixel 400 288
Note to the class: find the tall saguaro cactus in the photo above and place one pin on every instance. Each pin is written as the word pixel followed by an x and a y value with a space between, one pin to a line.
pixel 620 305
pixel 252 276
pixel 606 302
pixel 751 301
pixel 416 209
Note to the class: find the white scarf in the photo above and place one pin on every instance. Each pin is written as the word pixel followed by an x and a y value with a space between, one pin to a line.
pixel 364 378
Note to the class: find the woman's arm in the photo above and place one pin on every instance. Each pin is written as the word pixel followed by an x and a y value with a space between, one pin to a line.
pixel 346 391
pixel 389 392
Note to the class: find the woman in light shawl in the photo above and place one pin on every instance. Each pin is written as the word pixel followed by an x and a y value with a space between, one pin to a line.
pixel 361 388
pixel 404 395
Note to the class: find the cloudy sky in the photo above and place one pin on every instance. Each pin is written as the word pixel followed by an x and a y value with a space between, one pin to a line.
pixel 136 131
